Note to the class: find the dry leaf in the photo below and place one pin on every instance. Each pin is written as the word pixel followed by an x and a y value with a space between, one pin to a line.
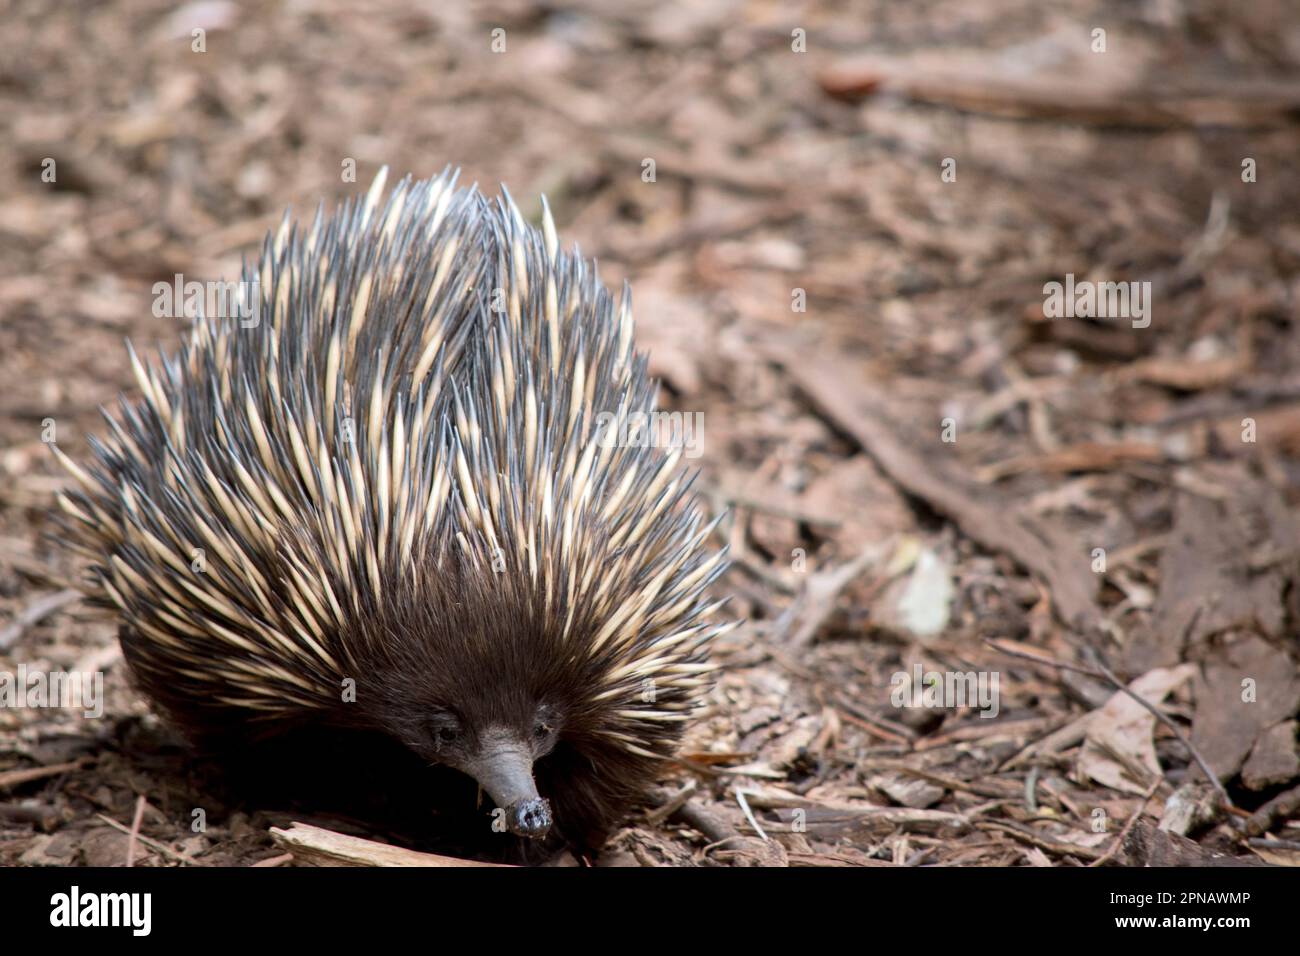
pixel 1119 736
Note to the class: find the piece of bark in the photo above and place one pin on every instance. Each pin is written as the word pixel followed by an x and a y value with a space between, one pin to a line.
pixel 1210 574
pixel 316 846
pixel 1273 760
pixel 1149 846
pixel 913 792
pixel 1225 726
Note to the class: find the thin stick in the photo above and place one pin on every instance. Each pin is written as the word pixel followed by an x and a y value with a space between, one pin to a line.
pixel 135 831
pixel 12 778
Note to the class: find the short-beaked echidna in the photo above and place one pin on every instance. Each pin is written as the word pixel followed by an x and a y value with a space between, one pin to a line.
pixel 386 494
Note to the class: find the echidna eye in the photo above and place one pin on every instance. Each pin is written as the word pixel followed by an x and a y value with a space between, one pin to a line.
pixel 445 730
pixel 544 723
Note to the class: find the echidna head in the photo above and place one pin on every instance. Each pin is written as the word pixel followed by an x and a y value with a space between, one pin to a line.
pixel 500 755
pixel 474 674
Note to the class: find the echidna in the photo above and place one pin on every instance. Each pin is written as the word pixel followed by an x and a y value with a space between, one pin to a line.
pixel 382 499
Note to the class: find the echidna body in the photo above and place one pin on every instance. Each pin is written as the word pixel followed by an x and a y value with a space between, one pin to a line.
pixel 389 504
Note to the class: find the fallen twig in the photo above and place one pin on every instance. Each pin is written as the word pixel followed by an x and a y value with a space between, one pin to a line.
pixel 135 831
pixel 983 84
pixel 13 778
pixel 1279 808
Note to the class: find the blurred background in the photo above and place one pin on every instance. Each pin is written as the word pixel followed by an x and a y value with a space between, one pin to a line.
pixel 840 261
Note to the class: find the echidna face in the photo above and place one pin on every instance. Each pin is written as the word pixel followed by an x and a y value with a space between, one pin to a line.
pixel 500 755
pixel 499 751
pixel 470 677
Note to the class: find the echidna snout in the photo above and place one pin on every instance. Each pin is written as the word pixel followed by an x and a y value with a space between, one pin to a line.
pixel 502 762
pixel 476 678
pixel 531 818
